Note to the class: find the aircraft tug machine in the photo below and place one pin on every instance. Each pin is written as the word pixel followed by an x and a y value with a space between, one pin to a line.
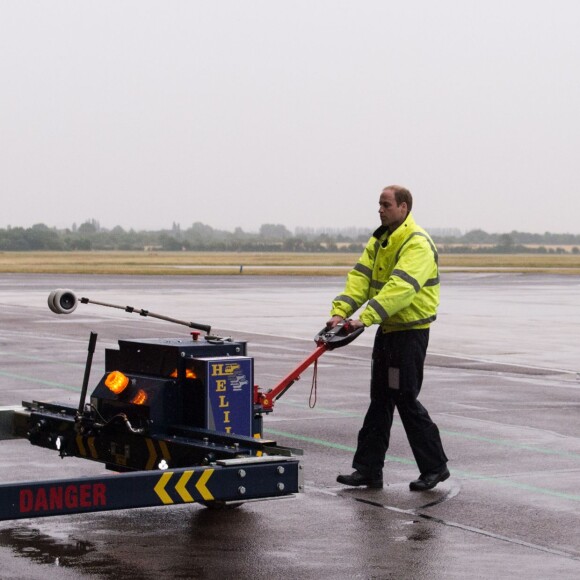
pixel 178 420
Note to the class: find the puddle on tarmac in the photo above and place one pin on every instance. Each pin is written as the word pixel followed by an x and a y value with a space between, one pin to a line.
pixel 42 549
pixel 62 551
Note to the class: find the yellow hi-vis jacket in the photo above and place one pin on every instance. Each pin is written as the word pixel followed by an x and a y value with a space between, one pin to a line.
pixel 398 275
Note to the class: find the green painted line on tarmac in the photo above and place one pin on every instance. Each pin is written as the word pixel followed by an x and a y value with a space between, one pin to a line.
pixel 458 472
pixel 517 485
pixel 325 443
pixel 459 435
pixel 504 443
pixel 297 405
pixel 39 381
pixel 38 359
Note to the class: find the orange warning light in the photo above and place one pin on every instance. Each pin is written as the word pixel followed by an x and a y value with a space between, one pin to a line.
pixel 116 382
pixel 189 374
pixel 140 398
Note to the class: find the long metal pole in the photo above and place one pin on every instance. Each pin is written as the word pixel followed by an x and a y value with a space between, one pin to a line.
pixel 204 327
pixel 92 344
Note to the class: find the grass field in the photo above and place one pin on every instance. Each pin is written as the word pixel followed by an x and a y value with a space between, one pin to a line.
pixel 192 263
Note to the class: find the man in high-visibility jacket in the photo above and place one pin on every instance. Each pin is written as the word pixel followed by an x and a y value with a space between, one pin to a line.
pixel 397 278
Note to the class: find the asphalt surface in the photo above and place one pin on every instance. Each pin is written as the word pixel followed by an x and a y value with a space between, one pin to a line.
pixel 501 382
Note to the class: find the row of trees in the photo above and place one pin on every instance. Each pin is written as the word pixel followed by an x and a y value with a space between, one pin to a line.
pixel 271 237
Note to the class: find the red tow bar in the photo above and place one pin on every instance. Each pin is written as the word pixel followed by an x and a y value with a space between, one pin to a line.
pixel 327 339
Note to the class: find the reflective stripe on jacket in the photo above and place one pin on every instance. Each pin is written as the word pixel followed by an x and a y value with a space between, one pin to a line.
pixel 398 276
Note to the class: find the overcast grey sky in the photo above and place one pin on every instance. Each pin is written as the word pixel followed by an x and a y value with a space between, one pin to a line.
pixel 236 113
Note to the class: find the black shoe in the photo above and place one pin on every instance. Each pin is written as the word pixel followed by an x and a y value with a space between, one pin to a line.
pixel 429 480
pixel 357 478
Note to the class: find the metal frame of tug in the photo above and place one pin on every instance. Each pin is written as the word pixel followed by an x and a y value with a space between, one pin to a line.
pixel 179 420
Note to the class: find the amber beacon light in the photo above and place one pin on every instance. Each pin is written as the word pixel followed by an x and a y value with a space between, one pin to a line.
pixel 140 398
pixel 116 382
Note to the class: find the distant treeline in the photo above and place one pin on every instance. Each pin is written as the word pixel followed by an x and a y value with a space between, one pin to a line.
pixel 270 238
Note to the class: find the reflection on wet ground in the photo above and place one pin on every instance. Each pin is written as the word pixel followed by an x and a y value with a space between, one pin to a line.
pixel 31 543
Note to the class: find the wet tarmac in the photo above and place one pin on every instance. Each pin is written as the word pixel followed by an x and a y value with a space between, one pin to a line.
pixel 501 382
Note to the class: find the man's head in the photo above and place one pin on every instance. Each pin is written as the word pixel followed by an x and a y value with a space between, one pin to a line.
pixel 395 204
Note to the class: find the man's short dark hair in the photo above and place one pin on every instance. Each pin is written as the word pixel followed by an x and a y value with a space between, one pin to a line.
pixel 402 194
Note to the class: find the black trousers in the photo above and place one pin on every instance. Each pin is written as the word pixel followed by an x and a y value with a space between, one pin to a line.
pixel 396 379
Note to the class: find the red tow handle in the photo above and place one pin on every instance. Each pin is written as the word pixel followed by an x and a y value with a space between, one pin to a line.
pixel 327 339
pixel 266 400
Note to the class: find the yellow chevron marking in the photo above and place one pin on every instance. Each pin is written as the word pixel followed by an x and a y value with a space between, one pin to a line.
pixel 201 485
pixel 165 451
pixel 81 446
pixel 91 444
pixel 160 488
pixel 152 454
pixel 181 489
